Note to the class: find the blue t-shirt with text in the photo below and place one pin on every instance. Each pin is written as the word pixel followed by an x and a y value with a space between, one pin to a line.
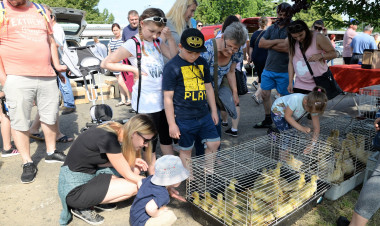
pixel 188 83
pixel 147 192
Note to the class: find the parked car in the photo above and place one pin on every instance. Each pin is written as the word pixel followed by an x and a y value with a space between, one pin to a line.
pixel 339 48
pixel 72 22
pixel 103 41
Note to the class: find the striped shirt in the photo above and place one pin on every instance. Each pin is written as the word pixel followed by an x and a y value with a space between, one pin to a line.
pixel 114 44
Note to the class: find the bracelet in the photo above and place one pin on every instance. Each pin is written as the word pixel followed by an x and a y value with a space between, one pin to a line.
pixel 323 57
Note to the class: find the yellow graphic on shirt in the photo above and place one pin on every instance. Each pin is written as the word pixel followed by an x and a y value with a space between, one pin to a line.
pixel 195 89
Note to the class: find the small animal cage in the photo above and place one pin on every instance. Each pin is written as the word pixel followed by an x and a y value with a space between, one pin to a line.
pixel 351 140
pixel 369 102
pixel 262 181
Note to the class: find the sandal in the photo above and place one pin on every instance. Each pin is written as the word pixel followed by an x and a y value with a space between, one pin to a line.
pixel 120 104
pixel 37 136
pixel 262 125
pixel 65 139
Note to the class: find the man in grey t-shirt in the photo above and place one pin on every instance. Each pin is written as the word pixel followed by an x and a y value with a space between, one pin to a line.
pixel 275 74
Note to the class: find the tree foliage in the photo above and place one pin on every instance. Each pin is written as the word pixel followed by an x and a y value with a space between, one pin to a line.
pixel 365 11
pixel 214 11
pixel 93 15
pixel 311 15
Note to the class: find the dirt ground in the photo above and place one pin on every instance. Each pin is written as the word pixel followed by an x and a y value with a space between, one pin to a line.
pixel 38 203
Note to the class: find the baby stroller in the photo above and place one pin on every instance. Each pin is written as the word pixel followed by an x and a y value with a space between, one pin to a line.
pixel 82 63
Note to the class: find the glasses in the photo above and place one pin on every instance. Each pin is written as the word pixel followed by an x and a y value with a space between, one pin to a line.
pixel 317 28
pixel 200 25
pixel 229 47
pixel 295 28
pixel 157 19
pixel 147 140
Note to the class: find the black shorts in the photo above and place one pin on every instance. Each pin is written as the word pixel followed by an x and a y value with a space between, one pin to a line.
pixel 89 194
pixel 159 120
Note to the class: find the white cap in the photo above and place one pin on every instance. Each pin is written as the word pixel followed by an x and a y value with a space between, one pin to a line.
pixel 168 171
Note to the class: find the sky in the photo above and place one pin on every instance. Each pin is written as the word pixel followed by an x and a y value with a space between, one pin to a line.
pixel 120 8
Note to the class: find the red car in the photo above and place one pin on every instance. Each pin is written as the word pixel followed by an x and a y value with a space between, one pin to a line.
pixel 252 24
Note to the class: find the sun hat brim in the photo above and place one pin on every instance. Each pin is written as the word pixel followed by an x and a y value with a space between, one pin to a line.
pixel 167 181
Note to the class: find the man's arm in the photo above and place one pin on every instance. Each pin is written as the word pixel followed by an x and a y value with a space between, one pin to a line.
pixel 3 75
pixel 281 46
pixel 268 44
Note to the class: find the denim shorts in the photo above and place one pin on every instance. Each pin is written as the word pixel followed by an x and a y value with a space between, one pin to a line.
pixel 191 128
pixel 271 80
pixel 280 122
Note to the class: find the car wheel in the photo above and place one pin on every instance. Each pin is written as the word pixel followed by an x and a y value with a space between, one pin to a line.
pixel 337 54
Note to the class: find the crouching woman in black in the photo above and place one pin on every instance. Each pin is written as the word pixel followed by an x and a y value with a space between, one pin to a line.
pixel 84 183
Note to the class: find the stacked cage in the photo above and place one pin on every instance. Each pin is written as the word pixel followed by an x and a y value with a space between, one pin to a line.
pixel 351 141
pixel 262 181
pixel 369 102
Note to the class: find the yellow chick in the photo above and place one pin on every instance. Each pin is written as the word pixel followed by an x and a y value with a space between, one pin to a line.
pixel 348 166
pixel 214 210
pixel 284 208
pixel 231 196
pixel 307 191
pixel 337 175
pixel 261 217
pixel 360 152
pixel 237 218
pixel 196 200
pixel 209 199
pixel 220 205
pixel 296 184
pixel 294 163
pixel 204 205
pixel 276 172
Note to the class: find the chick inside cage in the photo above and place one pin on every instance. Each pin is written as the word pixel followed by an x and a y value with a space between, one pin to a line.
pixel 262 181
pixel 351 142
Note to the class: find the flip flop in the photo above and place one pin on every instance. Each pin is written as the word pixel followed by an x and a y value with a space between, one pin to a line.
pixel 65 139
pixel 37 136
pixel 120 104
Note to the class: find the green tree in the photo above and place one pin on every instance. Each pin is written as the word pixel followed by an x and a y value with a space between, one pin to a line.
pixel 311 15
pixel 93 15
pixel 365 11
pixel 214 11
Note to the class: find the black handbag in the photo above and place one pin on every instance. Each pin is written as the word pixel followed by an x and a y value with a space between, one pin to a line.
pixel 376 141
pixel 326 80
pixel 241 83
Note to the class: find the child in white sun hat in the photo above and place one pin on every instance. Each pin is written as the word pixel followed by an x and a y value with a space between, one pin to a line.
pixel 149 206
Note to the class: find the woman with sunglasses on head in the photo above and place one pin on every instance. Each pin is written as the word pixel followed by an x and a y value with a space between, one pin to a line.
pixel 229 54
pixel 179 17
pixel 103 167
pixel 152 36
pixel 317 49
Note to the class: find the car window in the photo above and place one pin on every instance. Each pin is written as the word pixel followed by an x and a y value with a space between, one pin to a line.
pixel 105 42
pixel 70 28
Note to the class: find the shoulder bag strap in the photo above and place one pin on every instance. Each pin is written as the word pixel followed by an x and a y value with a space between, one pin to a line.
pixel 138 56
pixel 258 37
pixel 216 87
pixel 307 63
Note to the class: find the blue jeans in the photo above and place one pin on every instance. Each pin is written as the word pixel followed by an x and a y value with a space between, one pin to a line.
pixel 67 92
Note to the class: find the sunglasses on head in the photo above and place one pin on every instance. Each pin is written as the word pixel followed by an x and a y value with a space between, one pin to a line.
pixel 147 140
pixel 157 19
pixel 295 28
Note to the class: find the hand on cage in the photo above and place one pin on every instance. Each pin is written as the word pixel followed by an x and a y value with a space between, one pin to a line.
pixel 141 164
pixel 308 149
pixel 306 129
pixel 377 126
pixel 175 194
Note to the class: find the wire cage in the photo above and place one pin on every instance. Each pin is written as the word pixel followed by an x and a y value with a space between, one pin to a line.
pixel 261 181
pixel 351 141
pixel 369 102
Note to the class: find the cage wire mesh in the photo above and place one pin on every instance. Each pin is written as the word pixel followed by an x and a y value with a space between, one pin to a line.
pixel 351 142
pixel 369 102
pixel 261 181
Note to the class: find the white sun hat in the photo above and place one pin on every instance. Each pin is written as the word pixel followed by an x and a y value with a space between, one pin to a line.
pixel 169 170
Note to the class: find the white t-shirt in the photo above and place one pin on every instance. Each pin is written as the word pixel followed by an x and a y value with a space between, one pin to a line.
pixel 293 101
pixel 59 37
pixel 151 96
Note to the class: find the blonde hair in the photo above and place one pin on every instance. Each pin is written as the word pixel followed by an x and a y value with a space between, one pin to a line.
pixel 263 21
pixel 177 12
pixel 317 100
pixel 150 12
pixel 141 124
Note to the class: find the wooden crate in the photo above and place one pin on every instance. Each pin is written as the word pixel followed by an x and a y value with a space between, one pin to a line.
pixel 80 94
pixel 113 82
